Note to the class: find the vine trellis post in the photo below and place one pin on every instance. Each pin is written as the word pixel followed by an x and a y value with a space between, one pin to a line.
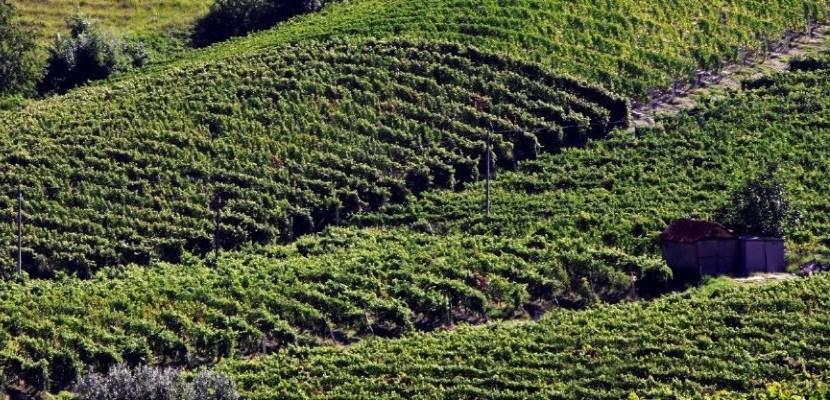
pixel 19 229
pixel 478 103
pixel 217 221
pixel 487 188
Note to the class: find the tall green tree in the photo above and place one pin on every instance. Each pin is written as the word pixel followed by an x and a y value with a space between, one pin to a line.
pixel 87 54
pixel 760 208
pixel 19 69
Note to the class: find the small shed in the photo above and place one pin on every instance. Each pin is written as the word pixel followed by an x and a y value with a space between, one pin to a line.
pixel 693 248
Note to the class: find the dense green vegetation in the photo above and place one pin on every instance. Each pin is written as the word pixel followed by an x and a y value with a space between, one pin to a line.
pixel 281 142
pixel 546 246
pixel 229 18
pixel 147 156
pixel 336 288
pixel 87 54
pixel 725 338
pixel 18 65
pixel 268 138
pixel 153 157
pixel 622 191
pixel 628 46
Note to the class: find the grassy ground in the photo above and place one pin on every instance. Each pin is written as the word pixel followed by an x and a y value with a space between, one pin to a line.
pixel 125 16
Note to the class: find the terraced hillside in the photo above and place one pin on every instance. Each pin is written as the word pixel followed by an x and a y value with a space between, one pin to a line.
pixel 48 17
pixel 730 339
pixel 336 289
pixel 627 46
pixel 350 284
pixel 621 192
pixel 281 142
pixel 282 139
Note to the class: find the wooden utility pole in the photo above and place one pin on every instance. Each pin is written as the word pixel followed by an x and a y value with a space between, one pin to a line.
pixel 487 185
pixel 478 100
pixel 217 217
pixel 19 229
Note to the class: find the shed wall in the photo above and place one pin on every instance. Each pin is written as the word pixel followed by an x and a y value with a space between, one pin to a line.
pixel 717 256
pixel 758 255
pixel 681 257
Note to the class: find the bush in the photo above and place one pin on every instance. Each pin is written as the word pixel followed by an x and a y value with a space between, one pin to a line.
pixel 148 383
pixel 87 54
pixel 759 208
pixel 16 44
pixel 229 18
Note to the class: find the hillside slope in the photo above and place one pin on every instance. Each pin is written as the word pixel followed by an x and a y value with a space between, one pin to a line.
pixel 337 288
pixel 282 139
pixel 683 346
pixel 48 18
pixel 627 46
pixel 622 191
pixel 577 240
pixel 279 143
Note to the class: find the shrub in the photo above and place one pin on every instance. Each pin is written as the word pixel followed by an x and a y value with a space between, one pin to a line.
pixel 229 18
pixel 148 383
pixel 759 208
pixel 87 54
pixel 16 44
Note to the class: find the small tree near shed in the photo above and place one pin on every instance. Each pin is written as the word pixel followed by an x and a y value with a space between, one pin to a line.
pixel 760 208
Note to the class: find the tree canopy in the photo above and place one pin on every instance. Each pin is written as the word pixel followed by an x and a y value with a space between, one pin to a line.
pixel 18 64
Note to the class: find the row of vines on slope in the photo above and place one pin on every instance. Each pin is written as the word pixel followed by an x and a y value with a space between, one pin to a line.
pixel 338 287
pixel 627 46
pixel 624 190
pixel 282 142
pixel 572 230
pixel 723 339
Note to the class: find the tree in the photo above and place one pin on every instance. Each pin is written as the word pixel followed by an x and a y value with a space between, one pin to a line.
pixel 19 67
pixel 759 208
pixel 229 18
pixel 87 54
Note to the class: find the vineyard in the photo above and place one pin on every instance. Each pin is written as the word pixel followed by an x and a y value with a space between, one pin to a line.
pixel 273 145
pixel 336 289
pixel 627 46
pixel 622 191
pixel 730 339
pixel 276 137
pixel 303 208
pixel 541 251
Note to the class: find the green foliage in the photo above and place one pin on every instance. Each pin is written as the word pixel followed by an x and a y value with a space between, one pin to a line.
pixel 229 18
pixel 808 389
pixel 338 287
pixel 622 191
pixel 292 139
pixel 680 346
pixel 297 137
pixel 628 46
pixel 760 208
pixel 18 63
pixel 87 54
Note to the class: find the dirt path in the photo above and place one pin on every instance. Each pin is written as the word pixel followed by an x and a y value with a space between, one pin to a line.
pixel 765 278
pixel 710 83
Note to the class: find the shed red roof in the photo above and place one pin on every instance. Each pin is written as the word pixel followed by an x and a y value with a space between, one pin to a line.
pixel 689 230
